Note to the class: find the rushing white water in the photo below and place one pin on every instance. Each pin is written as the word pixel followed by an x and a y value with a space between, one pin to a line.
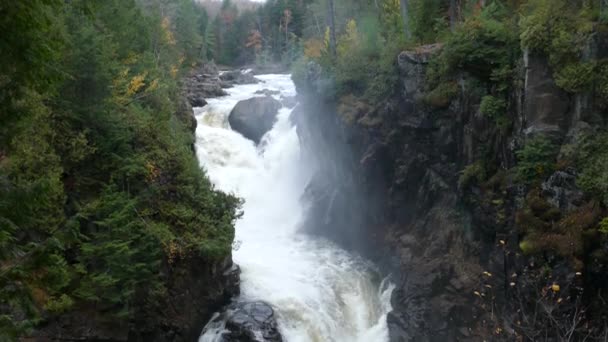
pixel 320 292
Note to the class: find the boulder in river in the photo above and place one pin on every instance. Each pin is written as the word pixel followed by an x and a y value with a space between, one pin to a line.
pixel 267 92
pixel 238 77
pixel 254 117
pixel 245 322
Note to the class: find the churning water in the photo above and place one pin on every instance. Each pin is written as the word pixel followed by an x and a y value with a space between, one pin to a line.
pixel 320 292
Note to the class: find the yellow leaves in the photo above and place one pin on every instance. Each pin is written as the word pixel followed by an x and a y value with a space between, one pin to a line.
pixel 173 252
pixel 173 71
pixel 131 59
pixel 555 288
pixel 153 85
pixel 168 34
pixel 487 274
pixel 349 41
pixel 136 84
pixel 153 172
pixel 313 48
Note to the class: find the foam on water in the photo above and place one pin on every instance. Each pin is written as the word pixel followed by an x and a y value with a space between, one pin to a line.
pixel 320 292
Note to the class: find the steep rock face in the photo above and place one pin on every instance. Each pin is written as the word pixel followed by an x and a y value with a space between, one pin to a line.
pixel 196 288
pixel 254 117
pixel 388 184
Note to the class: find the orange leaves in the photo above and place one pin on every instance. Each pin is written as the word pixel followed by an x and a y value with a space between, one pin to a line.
pixel 313 48
pixel 254 41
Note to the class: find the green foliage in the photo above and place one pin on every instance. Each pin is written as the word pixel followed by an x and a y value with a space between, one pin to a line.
pixel 561 30
pixel 496 109
pixel 427 21
pixel 536 159
pixel 360 68
pixel 592 160
pixel 492 107
pixel 442 95
pixel 99 188
pixel 576 77
pixel 603 227
pixel 484 45
pixel 472 174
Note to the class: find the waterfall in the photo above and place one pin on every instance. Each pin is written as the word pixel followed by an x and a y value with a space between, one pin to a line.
pixel 319 291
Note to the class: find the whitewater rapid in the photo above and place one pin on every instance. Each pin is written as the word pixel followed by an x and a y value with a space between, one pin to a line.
pixel 320 292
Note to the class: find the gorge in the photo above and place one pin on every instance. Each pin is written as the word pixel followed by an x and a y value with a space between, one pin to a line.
pixel 422 170
pixel 319 291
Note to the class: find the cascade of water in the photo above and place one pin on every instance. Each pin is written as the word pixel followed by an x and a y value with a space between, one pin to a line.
pixel 319 291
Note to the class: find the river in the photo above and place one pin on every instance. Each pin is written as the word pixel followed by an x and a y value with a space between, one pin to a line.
pixel 320 292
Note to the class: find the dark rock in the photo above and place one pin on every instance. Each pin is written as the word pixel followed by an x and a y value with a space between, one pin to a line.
pixel 246 322
pixel 197 101
pixel 561 191
pixel 254 117
pixel 203 83
pixel 238 77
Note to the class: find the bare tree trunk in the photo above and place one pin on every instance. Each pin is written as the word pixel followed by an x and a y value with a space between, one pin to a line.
pixel 453 14
pixel 331 21
pixel 405 18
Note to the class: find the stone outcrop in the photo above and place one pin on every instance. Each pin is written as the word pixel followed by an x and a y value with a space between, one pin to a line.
pixel 203 83
pixel 247 322
pixel 254 117
pixel 238 77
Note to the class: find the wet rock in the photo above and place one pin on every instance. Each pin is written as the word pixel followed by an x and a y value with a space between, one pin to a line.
pixel 561 191
pixel 254 117
pixel 289 101
pixel 546 106
pixel 238 77
pixel 247 322
pixel 203 83
pixel 197 101
pixel 267 92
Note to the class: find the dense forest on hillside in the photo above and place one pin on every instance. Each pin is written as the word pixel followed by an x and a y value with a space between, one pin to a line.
pixel 100 192
pixel 99 187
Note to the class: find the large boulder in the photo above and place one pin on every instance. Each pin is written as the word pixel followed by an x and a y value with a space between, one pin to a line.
pixel 245 322
pixel 254 117
pixel 238 77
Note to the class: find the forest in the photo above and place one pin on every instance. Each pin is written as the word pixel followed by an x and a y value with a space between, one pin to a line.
pixel 99 186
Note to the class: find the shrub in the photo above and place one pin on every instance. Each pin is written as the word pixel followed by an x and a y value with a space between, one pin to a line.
pixel 442 95
pixel 492 107
pixel 560 30
pixel 482 44
pixel 592 160
pixel 472 174
pixel 576 77
pixel 536 159
pixel 603 227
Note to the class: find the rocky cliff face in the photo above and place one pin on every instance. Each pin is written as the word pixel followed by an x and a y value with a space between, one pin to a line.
pixel 389 183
